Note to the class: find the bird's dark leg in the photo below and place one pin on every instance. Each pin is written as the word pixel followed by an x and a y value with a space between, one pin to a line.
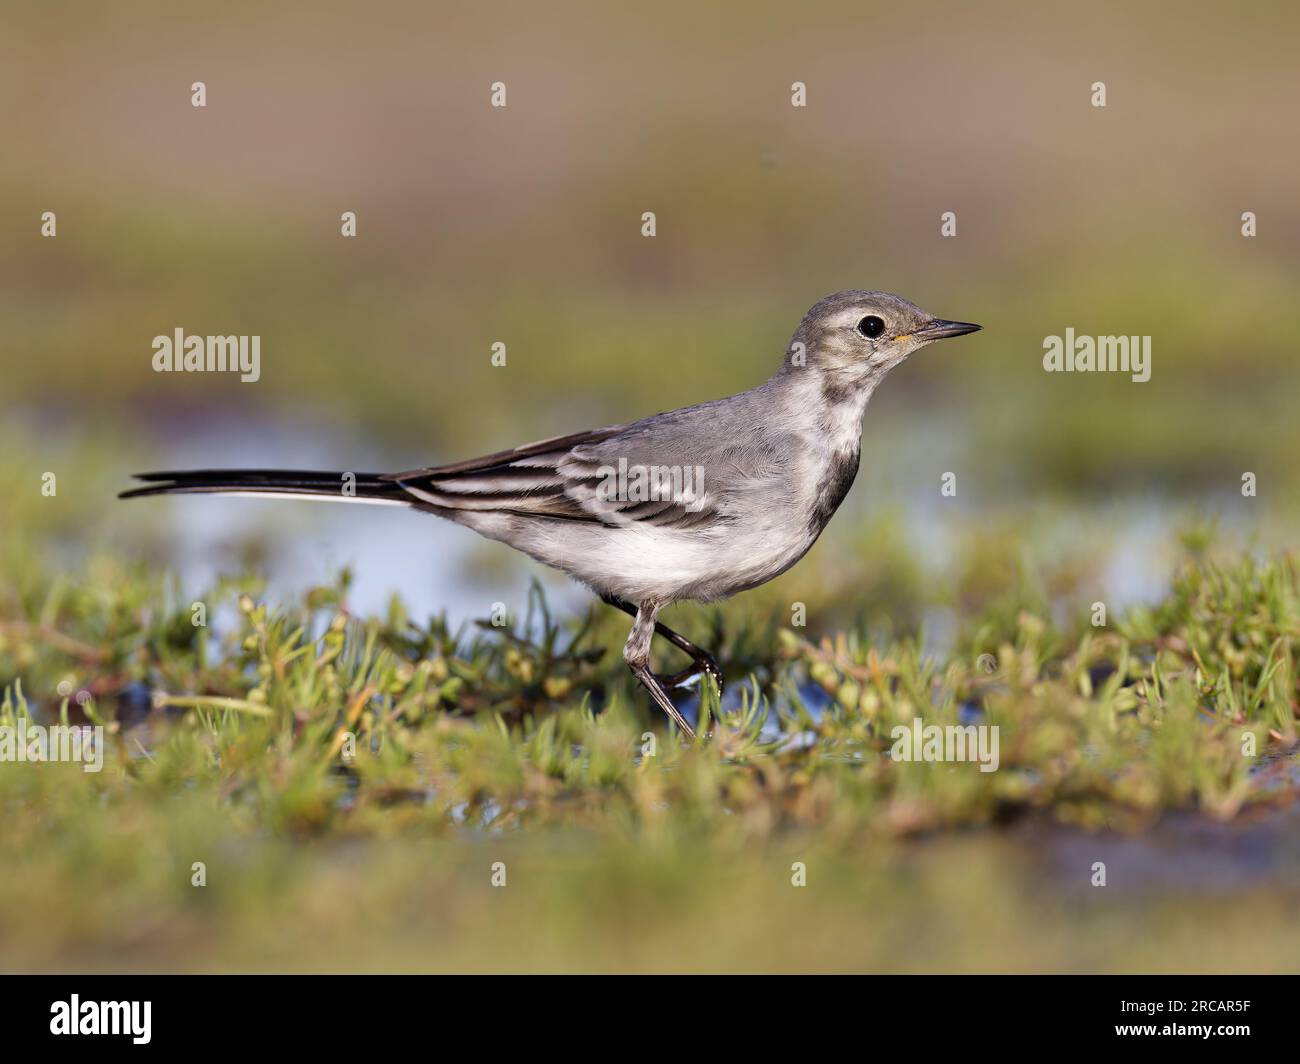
pixel 636 653
pixel 704 661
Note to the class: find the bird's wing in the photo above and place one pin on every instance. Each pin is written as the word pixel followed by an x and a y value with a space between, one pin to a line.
pixel 525 479
pixel 610 475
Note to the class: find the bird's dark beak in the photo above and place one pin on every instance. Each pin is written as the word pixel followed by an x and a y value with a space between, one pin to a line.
pixel 940 329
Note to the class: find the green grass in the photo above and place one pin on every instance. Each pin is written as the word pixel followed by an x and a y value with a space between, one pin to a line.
pixel 349 783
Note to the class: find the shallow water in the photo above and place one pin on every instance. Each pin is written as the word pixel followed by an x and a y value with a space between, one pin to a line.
pixel 1182 853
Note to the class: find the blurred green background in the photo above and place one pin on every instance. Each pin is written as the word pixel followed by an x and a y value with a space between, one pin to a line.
pixel 522 225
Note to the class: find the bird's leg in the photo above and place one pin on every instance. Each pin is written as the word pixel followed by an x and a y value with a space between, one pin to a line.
pixel 636 652
pixel 703 660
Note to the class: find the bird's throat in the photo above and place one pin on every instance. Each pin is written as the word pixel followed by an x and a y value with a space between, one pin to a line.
pixel 833 486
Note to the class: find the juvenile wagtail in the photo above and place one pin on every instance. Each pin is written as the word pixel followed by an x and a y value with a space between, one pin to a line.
pixel 697 503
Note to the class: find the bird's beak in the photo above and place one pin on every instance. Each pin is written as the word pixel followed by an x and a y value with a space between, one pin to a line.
pixel 940 330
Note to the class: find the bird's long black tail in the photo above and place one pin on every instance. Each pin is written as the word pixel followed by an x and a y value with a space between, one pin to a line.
pixel 344 487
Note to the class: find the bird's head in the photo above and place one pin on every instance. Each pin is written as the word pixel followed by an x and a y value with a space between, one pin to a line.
pixel 854 338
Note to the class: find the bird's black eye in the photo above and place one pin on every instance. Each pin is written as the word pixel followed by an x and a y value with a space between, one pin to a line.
pixel 871 326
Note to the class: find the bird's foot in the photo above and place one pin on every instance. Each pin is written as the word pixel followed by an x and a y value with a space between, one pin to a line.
pixel 704 665
pixel 653 684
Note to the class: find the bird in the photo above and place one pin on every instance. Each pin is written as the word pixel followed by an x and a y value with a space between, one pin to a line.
pixel 694 504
